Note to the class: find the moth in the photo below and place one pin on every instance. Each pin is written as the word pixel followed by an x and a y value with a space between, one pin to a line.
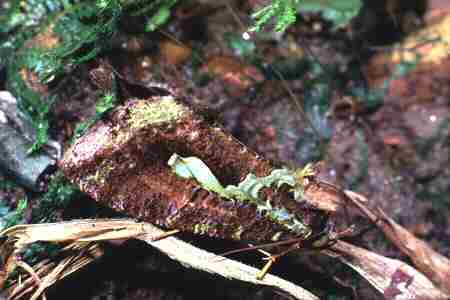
pixel 158 161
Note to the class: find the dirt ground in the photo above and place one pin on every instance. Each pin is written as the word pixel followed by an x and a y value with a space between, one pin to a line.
pixel 392 147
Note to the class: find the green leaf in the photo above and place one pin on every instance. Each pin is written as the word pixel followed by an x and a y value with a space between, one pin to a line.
pixel 340 12
pixel 106 103
pixel 193 167
pixel 239 45
pixel 12 218
pixel 59 193
pixel 161 16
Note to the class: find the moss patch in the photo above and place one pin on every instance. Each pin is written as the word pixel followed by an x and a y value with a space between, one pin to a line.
pixel 149 113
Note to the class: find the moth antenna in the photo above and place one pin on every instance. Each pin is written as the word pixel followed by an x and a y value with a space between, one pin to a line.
pixel 263 246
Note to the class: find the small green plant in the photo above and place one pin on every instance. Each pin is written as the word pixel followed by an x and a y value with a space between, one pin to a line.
pixel 340 12
pixel 57 197
pixel 283 10
pixel 161 15
pixel 72 33
pixel 10 218
pixel 103 105
pixel 240 46
pixel 77 31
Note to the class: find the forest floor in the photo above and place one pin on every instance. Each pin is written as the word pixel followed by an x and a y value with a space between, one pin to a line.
pixel 385 135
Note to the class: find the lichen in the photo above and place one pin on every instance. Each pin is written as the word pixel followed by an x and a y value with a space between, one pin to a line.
pixel 146 113
pixel 99 177
pixel 201 229
pixel 238 233
pixel 143 114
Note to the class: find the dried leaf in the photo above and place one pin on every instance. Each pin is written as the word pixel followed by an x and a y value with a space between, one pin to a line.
pixel 434 265
pixel 394 279
pixel 79 231
pixel 86 252
pixel 50 272
pixel 174 53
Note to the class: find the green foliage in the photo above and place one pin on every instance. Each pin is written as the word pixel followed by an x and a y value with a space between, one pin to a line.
pixel 157 12
pixel 162 14
pixel 38 251
pixel 10 218
pixel 78 33
pixel 240 46
pixel 60 192
pixel 19 23
pixel 22 20
pixel 30 102
pixel 340 12
pixel 6 184
pixel 283 10
pixel 103 105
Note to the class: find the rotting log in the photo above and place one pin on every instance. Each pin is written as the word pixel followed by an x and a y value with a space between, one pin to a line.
pixel 122 162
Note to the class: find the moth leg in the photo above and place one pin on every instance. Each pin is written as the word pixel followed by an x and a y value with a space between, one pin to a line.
pixel 273 258
pixel 165 234
pixel 266 268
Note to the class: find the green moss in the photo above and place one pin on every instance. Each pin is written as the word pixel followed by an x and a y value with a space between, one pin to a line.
pixel 166 110
pixel 30 102
pixel 101 175
pixel 103 105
